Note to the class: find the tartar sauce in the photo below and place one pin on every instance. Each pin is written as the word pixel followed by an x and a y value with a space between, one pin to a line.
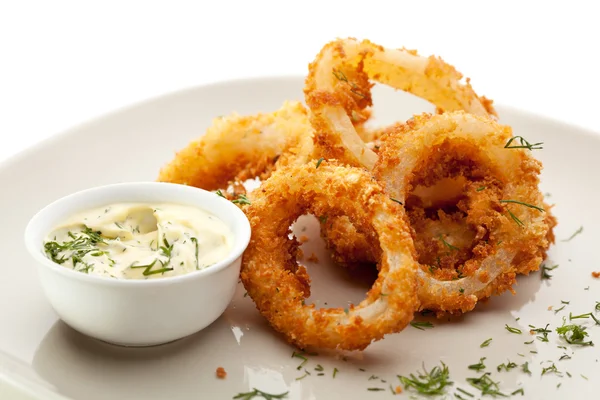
pixel 139 241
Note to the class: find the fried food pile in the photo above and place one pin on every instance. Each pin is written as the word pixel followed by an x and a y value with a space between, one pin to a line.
pixel 446 205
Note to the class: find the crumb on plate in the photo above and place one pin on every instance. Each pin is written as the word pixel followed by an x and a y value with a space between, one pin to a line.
pixel 221 373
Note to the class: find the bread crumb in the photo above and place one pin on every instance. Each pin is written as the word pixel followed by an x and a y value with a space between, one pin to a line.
pixel 596 274
pixel 299 255
pixel 549 308
pixel 398 389
pixel 221 373
pixel 532 332
pixel 303 239
pixel 313 258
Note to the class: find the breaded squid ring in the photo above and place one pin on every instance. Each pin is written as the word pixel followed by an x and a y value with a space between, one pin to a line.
pixel 337 91
pixel 237 148
pixel 505 211
pixel 279 286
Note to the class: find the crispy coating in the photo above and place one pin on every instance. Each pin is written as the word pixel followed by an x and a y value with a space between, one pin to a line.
pixel 236 148
pixel 338 91
pixel 473 245
pixel 278 285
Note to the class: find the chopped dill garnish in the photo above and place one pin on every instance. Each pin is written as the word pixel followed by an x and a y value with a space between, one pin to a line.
pixel 342 77
pixel 515 218
pixel 512 330
pixel 397 201
pixel 421 325
pixel 319 161
pixel 302 357
pixel 448 245
pixel 463 391
pixel 574 334
pixel 525 368
pixel 486 343
pixel 480 188
pixel 479 366
pixel 559 309
pixel 551 370
pixel 241 199
pixel 259 393
pixel 195 241
pixel 220 194
pixel 523 144
pixel 571 316
pixel 577 232
pixel 506 366
pixel 85 242
pixel 306 373
pixel 523 204
pixel 375 389
pixel 432 382
pixel 319 368
pixel 544 332
pixel 520 390
pixel 545 274
pixel 486 385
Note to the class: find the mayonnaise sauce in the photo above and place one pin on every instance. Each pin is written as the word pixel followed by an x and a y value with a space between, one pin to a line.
pixel 139 241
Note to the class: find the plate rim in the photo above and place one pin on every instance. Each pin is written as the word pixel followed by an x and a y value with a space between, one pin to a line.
pixel 65 133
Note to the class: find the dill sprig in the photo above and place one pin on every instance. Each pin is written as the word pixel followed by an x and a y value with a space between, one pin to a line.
pixel 428 382
pixel 448 245
pixel 523 204
pixel 544 332
pixel 522 144
pixel 512 330
pixel 486 343
pixel 479 366
pixel 551 370
pixel 574 334
pixel 302 357
pixel 421 325
pixel 506 366
pixel 545 274
pixel 577 232
pixel 486 385
pixel 259 393
pixel 515 218
pixel 319 161
pixel 241 199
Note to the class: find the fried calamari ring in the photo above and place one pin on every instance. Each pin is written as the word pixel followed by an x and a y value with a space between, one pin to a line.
pixel 505 221
pixel 337 91
pixel 236 148
pixel 278 285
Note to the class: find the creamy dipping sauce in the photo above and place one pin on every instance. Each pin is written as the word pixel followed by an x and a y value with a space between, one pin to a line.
pixel 139 241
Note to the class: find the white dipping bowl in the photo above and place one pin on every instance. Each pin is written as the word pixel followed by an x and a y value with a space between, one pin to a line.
pixel 138 312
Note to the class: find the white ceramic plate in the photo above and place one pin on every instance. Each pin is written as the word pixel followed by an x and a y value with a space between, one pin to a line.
pixel 44 357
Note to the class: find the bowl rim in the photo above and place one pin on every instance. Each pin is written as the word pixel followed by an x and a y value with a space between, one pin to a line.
pixel 162 188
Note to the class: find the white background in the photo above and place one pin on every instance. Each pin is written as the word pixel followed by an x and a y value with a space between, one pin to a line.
pixel 63 62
